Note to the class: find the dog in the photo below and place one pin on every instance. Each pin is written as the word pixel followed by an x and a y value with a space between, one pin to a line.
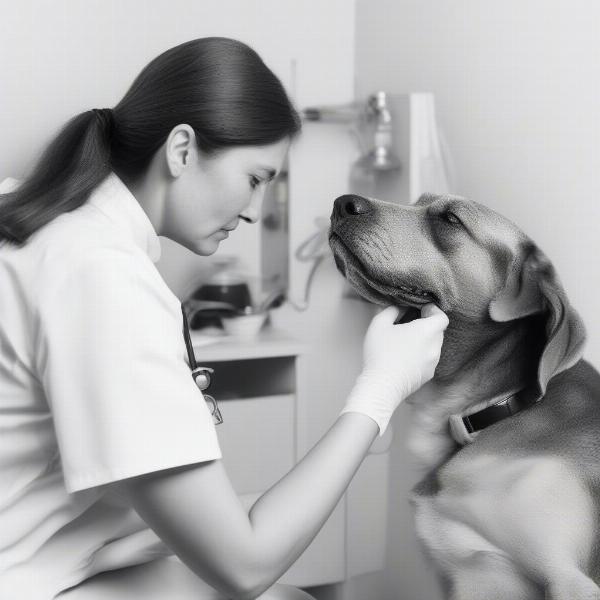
pixel 508 429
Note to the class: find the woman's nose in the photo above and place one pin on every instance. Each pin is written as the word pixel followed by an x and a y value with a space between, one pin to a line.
pixel 351 205
pixel 253 210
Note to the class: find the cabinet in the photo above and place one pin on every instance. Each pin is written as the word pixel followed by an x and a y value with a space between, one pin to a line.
pixel 258 385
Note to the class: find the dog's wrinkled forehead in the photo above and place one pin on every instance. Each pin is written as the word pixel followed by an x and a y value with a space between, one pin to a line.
pixel 483 223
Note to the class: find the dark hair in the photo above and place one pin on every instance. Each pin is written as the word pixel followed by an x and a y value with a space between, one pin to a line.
pixel 218 86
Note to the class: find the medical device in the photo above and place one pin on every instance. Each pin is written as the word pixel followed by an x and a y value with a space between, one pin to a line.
pixel 200 375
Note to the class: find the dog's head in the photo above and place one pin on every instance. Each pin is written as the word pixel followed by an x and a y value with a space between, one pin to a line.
pixel 476 265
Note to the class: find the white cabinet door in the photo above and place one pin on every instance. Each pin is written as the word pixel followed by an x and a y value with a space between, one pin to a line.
pixel 257 440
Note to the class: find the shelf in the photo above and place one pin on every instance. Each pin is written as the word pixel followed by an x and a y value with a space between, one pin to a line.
pixel 270 342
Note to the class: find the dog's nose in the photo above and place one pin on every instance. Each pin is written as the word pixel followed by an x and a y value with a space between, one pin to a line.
pixel 350 204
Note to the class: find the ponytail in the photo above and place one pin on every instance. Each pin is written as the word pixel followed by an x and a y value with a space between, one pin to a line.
pixel 71 166
pixel 219 86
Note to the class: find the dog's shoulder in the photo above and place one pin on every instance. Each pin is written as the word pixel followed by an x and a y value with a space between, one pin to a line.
pixel 569 414
pixel 581 381
pixel 564 425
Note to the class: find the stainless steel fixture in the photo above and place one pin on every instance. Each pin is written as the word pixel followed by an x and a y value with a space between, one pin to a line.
pixel 374 129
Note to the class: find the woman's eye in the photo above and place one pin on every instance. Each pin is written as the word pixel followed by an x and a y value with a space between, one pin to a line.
pixel 254 182
pixel 452 218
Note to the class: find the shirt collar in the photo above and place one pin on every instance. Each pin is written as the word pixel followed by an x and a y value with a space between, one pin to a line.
pixel 114 199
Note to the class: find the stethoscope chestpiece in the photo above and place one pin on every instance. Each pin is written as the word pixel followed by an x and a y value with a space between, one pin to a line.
pixel 201 376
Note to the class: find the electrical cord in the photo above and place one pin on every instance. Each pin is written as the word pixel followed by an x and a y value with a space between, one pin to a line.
pixel 314 249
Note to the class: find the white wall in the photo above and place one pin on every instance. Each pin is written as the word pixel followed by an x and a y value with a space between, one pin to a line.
pixel 66 56
pixel 517 88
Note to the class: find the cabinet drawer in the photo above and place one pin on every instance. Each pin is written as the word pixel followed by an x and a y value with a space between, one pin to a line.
pixel 257 440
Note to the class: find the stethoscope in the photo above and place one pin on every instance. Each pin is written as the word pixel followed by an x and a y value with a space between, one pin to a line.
pixel 200 375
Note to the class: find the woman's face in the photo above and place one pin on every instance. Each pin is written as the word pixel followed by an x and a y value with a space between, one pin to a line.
pixel 210 195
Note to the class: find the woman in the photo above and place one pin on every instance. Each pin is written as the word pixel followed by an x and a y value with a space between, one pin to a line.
pixel 109 463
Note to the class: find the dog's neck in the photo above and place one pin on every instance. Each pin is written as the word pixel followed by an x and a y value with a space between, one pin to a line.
pixel 479 361
pixel 489 358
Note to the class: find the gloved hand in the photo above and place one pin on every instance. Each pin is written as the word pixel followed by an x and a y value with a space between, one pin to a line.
pixel 397 361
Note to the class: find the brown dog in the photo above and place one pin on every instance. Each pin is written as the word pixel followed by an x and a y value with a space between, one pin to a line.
pixel 509 427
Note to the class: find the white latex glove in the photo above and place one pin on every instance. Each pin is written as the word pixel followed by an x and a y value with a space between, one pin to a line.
pixel 397 361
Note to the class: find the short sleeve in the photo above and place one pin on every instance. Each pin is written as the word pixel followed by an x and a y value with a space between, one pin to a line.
pixel 111 362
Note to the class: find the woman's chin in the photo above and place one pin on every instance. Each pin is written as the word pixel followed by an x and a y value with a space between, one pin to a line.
pixel 207 247
pixel 204 247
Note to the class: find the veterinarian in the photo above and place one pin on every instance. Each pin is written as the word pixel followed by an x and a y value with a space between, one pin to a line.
pixel 109 462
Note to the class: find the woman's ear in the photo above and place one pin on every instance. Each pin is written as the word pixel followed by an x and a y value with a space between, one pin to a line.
pixel 178 148
pixel 532 287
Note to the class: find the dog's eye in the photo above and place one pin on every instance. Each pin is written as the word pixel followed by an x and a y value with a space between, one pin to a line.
pixel 452 218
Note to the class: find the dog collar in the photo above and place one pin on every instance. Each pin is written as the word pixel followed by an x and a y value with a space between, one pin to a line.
pixel 465 426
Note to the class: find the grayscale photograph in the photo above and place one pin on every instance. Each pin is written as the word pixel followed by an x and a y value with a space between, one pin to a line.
pixel 297 300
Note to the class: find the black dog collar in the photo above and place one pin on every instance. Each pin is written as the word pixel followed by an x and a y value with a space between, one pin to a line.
pixel 465 427
pixel 500 410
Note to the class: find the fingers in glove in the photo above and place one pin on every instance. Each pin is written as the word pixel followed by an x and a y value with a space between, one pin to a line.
pixel 431 311
pixel 390 314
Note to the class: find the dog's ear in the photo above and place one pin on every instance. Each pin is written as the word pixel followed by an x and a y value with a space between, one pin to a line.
pixel 521 294
pixel 532 287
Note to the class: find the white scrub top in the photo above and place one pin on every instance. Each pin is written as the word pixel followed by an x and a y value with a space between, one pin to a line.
pixel 94 387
